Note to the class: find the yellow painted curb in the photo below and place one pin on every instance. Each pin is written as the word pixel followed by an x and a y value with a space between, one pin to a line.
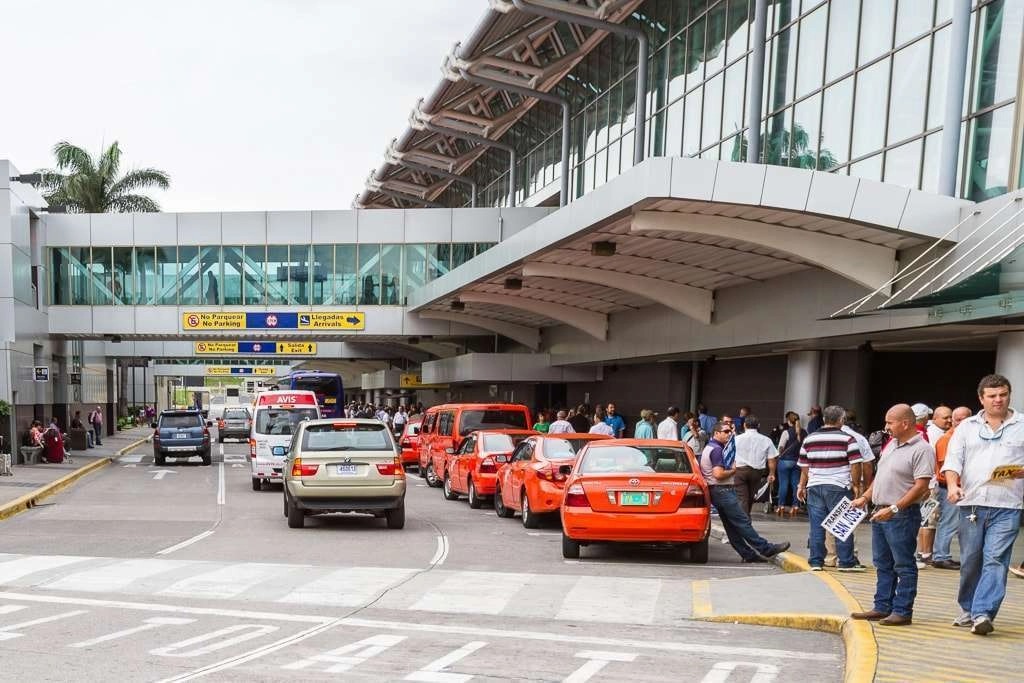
pixel 32 499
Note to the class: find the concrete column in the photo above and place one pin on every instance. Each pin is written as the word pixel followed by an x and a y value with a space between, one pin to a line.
pixel 695 367
pixel 956 79
pixel 756 81
pixel 803 378
pixel 1010 362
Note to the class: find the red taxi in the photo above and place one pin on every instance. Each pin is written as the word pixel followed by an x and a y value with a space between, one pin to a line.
pixel 473 469
pixel 640 491
pixel 531 482
pixel 410 443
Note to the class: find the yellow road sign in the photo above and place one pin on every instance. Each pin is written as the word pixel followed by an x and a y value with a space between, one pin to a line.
pixel 295 348
pixel 334 320
pixel 216 347
pixel 413 380
pixel 221 370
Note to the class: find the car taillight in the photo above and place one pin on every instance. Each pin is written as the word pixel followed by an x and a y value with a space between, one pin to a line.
pixel 301 470
pixel 252 448
pixel 391 469
pixel 405 443
pixel 206 432
pixel 575 497
pixel 548 473
pixel 487 466
pixel 694 498
pixel 156 435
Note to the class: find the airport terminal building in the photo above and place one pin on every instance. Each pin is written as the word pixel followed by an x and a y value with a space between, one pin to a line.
pixel 737 202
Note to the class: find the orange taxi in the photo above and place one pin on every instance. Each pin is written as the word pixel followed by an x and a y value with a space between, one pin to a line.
pixel 473 468
pixel 410 443
pixel 532 483
pixel 640 491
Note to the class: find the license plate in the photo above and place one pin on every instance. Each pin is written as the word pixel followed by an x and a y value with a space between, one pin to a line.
pixel 277 450
pixel 181 436
pixel 634 498
pixel 347 470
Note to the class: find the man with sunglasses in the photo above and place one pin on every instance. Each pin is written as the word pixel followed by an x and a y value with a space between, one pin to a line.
pixel 719 474
pixel 984 471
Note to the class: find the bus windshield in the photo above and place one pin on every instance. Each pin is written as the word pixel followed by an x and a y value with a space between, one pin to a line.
pixel 328 389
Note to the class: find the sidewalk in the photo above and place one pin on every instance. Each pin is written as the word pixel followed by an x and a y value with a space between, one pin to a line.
pixel 931 649
pixel 29 479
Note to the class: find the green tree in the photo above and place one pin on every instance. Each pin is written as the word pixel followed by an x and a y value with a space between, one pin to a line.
pixel 788 148
pixel 83 184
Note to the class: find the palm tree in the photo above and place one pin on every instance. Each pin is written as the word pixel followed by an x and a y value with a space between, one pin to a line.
pixel 85 185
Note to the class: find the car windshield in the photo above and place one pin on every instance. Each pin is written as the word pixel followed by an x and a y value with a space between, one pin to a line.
pixel 474 420
pixel 179 421
pixel 635 459
pixel 412 429
pixel 281 421
pixel 562 449
pixel 236 415
pixel 346 437
pixel 497 443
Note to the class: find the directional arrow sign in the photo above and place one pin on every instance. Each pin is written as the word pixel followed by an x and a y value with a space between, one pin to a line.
pixel 160 474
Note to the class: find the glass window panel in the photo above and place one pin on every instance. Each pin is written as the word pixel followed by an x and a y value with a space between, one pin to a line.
pixel 695 54
pixel 231 282
pixel 988 165
pixel 714 49
pixel 998 56
pixel 783 69
pixel 78 275
pixel 101 276
pixel 734 149
pixel 909 82
pixel 189 274
pixel 937 82
pixel 835 122
pixel 166 276
pixel 145 276
pixel 875 30
pixel 812 52
pixel 943 11
pixel 415 267
pixel 277 274
pixel 369 274
pixel 691 123
pixel 740 17
pixel 391 274
pixel 733 112
pixel 124 278
pixel 462 252
pixel 903 165
pixel 254 275
pixel 869 109
pixel 677 67
pixel 674 130
pixel 481 247
pixel 913 18
pixel 805 135
pixel 614 150
pixel 322 275
pixel 777 142
pixel 210 280
pixel 346 276
pixel 842 38
pixel 870 168
pixel 298 274
pixel 931 165
pixel 711 131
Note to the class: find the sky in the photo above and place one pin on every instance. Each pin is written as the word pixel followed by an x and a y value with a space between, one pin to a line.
pixel 247 104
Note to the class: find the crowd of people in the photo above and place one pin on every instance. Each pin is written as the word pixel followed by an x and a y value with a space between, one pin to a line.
pixel 395 417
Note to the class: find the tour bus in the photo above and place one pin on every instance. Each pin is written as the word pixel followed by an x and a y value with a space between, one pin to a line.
pixel 275 415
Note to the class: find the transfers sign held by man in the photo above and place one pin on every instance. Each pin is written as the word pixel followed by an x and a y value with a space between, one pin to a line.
pixel 843 519
pixel 284 320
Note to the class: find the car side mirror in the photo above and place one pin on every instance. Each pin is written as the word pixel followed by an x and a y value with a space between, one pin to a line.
pixel 152 425
pixel 565 470
pixel 501 458
pixel 450 451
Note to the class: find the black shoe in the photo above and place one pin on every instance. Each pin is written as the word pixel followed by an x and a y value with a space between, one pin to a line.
pixel 753 559
pixel 946 564
pixel 777 548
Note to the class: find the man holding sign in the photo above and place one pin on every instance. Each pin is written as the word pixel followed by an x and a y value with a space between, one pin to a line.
pixel 985 478
pixel 905 468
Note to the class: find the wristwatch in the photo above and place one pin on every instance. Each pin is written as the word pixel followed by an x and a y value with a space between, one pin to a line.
pixel 894 509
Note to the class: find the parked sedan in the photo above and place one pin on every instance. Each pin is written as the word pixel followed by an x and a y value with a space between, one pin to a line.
pixel 639 491
pixel 235 424
pixel 410 443
pixel 472 470
pixel 532 483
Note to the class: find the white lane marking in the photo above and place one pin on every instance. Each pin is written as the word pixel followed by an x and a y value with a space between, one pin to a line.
pixel 348 587
pixel 602 598
pixel 184 544
pixel 131 465
pixel 245 631
pixel 441 554
pixel 12 570
pixel 596 660
pixel 348 656
pixel 470 592
pixel 160 474
pixel 11 609
pixel 147 625
pixel 7 632
pixel 221 449
pixel 132 457
pixel 434 672
pixel 722 671
pixel 220 481
pixel 110 578
pixel 227 582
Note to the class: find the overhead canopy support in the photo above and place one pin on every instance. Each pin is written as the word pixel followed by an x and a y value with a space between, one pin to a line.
pixel 693 302
pixel 594 324
pixel 869 265
pixel 527 336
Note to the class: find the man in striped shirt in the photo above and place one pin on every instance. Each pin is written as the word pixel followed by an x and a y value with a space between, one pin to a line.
pixel 830 463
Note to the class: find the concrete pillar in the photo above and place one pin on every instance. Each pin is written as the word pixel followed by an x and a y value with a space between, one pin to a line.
pixel 1010 362
pixel 956 80
pixel 695 367
pixel 803 379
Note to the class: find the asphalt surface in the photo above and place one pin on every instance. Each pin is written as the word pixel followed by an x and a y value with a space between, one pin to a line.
pixel 180 572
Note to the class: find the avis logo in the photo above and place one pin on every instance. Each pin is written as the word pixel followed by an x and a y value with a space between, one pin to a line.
pixel 271 320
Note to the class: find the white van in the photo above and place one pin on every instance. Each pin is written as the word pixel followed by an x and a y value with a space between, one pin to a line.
pixel 275 416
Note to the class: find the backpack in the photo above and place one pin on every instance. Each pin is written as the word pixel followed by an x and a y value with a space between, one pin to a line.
pixel 876 440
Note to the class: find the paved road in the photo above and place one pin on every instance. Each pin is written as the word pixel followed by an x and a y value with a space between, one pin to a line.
pixel 146 573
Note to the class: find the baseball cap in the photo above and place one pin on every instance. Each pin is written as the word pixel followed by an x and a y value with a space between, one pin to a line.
pixel 921 410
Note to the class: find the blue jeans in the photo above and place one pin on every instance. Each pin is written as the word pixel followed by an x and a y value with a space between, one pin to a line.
pixel 789 476
pixel 744 540
pixel 949 524
pixel 893 543
pixel 821 500
pixel 985 547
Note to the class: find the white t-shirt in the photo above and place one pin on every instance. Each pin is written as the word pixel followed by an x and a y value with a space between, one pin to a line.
pixel 934 433
pixel 668 429
pixel 560 427
pixel 602 428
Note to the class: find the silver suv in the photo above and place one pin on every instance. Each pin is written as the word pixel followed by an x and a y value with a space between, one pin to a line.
pixel 344 465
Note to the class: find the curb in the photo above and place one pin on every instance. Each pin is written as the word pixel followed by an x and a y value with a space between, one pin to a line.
pixel 858 638
pixel 30 500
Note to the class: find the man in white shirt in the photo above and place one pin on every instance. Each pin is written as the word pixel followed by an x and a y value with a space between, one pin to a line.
pixel 755 458
pixel 561 425
pixel 984 470
pixel 668 429
pixel 601 427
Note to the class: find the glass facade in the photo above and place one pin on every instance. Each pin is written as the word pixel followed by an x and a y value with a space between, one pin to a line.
pixel 250 275
pixel 849 86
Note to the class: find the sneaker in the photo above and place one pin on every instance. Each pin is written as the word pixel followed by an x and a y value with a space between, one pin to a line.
pixel 982 626
pixel 777 548
pixel 853 568
pixel 1016 571
pixel 817 568
pixel 964 620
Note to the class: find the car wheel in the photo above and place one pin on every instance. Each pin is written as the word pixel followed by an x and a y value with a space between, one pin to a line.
pixel 396 517
pixel 421 470
pixel 500 508
pixel 530 520
pixel 699 551
pixel 448 493
pixel 159 460
pixel 257 484
pixel 296 516
pixel 432 479
pixel 207 460
pixel 475 501
pixel 570 548
pixel 285 496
